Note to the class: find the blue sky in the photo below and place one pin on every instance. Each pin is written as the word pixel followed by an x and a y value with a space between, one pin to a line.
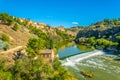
pixel 62 12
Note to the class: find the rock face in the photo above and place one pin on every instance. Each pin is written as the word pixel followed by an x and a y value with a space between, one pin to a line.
pixel 113 31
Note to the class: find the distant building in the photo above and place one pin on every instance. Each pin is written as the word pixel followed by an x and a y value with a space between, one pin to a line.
pixel 47 54
pixel 61 28
pixel 41 25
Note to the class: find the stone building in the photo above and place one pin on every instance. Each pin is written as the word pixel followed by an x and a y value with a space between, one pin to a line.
pixel 47 54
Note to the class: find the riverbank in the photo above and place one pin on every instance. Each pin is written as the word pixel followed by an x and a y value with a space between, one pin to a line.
pixel 71 61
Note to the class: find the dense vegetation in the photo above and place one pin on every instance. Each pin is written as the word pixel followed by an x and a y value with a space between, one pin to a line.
pixel 29 68
pixel 63 35
pixel 26 68
pixel 6 19
pixel 108 22
pixel 92 42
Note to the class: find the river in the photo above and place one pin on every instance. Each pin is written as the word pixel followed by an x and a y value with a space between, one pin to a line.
pixel 72 50
pixel 79 57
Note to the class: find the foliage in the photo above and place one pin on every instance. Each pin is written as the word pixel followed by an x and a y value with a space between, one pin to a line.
pixel 26 68
pixel 117 38
pixel 39 33
pixel 34 45
pixel 119 54
pixel 56 64
pixel 98 42
pixel 5 37
pixel 17 20
pixel 108 21
pixel 15 27
pixel 4 45
pixel 83 47
pixel 6 19
pixel 61 73
pixel 63 34
pixel 50 40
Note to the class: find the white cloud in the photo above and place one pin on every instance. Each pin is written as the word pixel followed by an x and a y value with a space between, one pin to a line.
pixel 75 23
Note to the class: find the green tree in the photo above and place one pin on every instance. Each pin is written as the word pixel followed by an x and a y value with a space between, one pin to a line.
pixel 118 40
pixel 6 19
pixel 21 68
pixel 34 45
pixel 15 27
pixel 5 37
pixel 5 74
pixel 107 20
pixel 56 64
pixel 115 22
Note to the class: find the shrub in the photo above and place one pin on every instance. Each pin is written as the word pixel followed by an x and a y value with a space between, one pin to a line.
pixel 3 45
pixel 6 18
pixel 4 37
pixel 15 27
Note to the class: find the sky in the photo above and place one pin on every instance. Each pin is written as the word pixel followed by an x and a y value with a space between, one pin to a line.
pixel 66 13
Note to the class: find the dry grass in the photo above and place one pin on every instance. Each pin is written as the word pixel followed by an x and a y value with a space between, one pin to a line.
pixel 17 38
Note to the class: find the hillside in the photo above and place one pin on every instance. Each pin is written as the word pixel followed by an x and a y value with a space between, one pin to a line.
pixel 17 38
pixel 101 35
pixel 21 41
pixel 101 29
pixel 27 29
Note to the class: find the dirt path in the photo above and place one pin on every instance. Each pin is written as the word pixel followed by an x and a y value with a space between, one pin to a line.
pixel 13 50
pixel 9 53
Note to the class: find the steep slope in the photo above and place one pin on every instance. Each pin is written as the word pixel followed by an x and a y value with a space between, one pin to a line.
pixel 98 33
pixel 21 30
pixel 102 29
pixel 17 38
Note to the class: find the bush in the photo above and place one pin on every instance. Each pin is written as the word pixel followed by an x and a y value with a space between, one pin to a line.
pixel 4 37
pixel 3 45
pixel 15 27
pixel 6 18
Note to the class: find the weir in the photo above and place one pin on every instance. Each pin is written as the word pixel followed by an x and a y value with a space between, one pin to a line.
pixel 71 61
pixel 71 51
pixel 82 52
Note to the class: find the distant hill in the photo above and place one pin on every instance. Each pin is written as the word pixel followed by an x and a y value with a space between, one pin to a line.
pixel 102 29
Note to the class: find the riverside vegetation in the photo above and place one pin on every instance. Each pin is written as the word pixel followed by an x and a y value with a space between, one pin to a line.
pixel 101 35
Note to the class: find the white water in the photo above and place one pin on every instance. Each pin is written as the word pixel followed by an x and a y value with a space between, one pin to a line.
pixel 71 61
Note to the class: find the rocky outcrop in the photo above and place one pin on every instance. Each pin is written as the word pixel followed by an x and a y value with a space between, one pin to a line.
pixel 113 31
